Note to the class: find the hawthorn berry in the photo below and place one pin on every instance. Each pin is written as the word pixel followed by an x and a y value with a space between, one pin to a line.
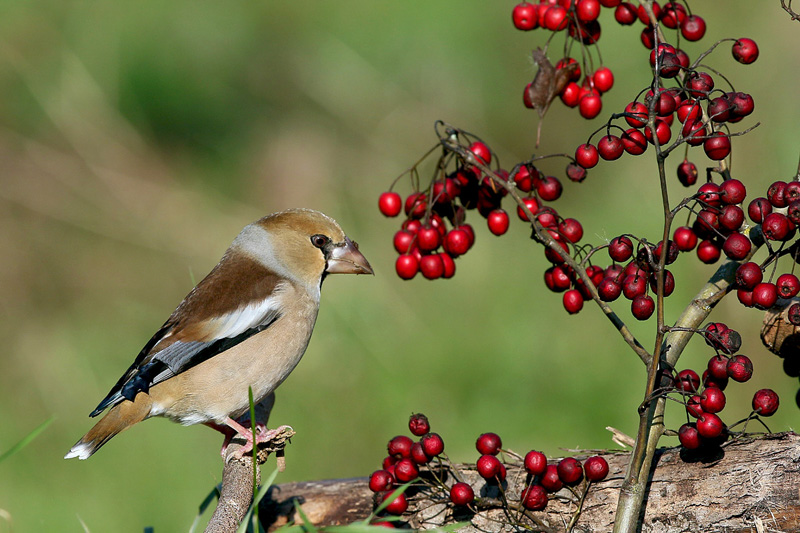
pixel 432 444
pixel 431 266
pixel 380 481
pixel 603 78
pixel 634 142
pixel 461 494
pixel 400 447
pixel 758 209
pixel 709 426
pixel 717 146
pixel 788 285
pixel 586 155
pixel 732 191
pixel 718 367
pixel 620 248
pixel 570 471
pixel 534 498
pixel 550 479
pixel 765 402
pixel 489 444
pixel 535 463
pixel 610 147
pixel 712 400
pixel 689 436
pixel 693 28
pixel 684 238
pixel 595 468
pixel 525 16
pixel 693 406
pixel 609 289
pixel 687 173
pixel 418 424
pixel 573 301
pixel 488 466
pixel 765 295
pixel 745 51
pixel 737 246
pixel 642 307
pixel 390 204
pixel 687 381
pixel 418 454
pixel 590 105
pixel 708 252
pixel 398 506
pixel 740 368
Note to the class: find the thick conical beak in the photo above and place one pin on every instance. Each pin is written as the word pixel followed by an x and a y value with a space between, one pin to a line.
pixel 346 259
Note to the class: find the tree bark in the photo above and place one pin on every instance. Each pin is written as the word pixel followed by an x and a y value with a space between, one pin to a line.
pixel 749 485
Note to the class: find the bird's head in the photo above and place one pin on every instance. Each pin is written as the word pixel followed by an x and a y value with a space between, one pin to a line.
pixel 303 244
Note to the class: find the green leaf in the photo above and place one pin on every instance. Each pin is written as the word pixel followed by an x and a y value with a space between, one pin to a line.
pixel 258 497
pixel 203 506
pixel 26 439
pixel 306 522
pixel 385 503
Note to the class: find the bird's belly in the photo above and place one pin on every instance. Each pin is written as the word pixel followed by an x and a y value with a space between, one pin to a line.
pixel 218 388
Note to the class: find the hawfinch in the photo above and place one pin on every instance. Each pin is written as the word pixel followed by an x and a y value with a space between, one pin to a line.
pixel 247 324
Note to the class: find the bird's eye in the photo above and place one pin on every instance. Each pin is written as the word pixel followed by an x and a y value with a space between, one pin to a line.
pixel 319 240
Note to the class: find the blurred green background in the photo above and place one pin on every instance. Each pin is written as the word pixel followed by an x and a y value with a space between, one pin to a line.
pixel 137 139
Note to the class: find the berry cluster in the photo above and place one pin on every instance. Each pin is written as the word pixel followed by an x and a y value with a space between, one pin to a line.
pixel 704 397
pixel 423 463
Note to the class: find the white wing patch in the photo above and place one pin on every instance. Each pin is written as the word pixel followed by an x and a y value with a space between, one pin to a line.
pixel 244 318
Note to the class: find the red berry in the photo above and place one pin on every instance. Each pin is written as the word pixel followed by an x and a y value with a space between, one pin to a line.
pixel 596 468
pixel 418 454
pixel 693 28
pixel 415 205
pixel 620 248
pixel 418 424
pixel 748 275
pixel 634 141
pixel 689 437
pixel 571 94
pixel 684 238
pixel 535 463
pixel 693 407
pixel 603 79
pixel 642 307
pixel 712 400
pixel 586 155
pixel 590 105
pixel 765 295
pixel 380 480
pixel 636 114
pixel 573 301
pixel 448 264
pixel 570 229
pixel 732 217
pixel 431 266
pixel 489 444
pixel 699 84
pixel 407 266
pixel 570 471
pixel 488 466
pixel 525 16
pixel 390 204
pixel 687 173
pixel 745 51
pixel 533 206
pixel 788 285
pixel 687 381
pixel 718 367
pixel 758 209
pixel 428 238
pixel 776 227
pixel 549 188
pixel 710 426
pixel 609 289
pixel 398 506
pixel 400 447
pixel 432 444
pixel 550 479
pixel 765 402
pixel 481 152
pixel 708 252
pixel 717 146
pixel 555 18
pixel 737 246
pixel 663 133
pixel 405 470
pixel 534 497
pixel 609 147
pixel 498 221
pixel 740 368
pixel 456 242
pixel 461 494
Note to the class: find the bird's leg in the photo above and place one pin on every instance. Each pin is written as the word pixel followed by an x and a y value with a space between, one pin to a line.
pixel 225 430
pixel 262 436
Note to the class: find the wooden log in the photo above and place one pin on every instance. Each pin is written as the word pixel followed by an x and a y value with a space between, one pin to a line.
pixel 748 485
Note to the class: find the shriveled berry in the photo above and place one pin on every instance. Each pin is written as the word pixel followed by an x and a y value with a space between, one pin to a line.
pixel 740 368
pixel 765 402
pixel 534 498
pixel 418 424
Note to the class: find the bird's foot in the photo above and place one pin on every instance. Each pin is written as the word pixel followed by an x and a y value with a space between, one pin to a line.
pixel 262 436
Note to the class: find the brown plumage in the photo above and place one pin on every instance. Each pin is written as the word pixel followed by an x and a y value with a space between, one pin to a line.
pixel 245 325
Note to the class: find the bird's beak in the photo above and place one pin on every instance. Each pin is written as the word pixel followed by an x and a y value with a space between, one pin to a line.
pixel 346 259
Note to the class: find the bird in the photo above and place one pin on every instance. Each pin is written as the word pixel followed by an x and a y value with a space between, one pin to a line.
pixel 246 325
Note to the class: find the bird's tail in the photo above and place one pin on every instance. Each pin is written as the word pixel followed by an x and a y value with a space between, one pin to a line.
pixel 119 418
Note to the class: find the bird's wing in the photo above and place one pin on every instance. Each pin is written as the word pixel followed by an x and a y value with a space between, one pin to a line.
pixel 215 316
